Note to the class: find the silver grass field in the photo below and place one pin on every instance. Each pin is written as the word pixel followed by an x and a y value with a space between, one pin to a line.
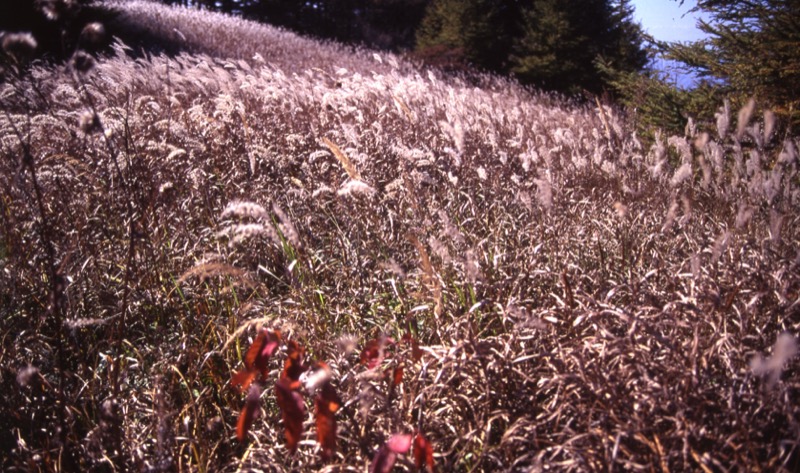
pixel 582 301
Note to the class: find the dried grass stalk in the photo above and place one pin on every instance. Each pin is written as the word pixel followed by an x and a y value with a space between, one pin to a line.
pixel 429 278
pixel 343 159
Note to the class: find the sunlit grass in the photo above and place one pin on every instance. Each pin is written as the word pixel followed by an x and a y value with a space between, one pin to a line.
pixel 581 303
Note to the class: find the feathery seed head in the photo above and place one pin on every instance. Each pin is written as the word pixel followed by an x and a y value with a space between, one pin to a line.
pixel 744 118
pixel 20 46
pixel 243 209
pixel 82 62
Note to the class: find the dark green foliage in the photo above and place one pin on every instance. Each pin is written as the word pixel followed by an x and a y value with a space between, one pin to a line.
pixel 753 49
pixel 562 40
pixel 658 104
pixel 390 24
pixel 476 32
pixel 551 44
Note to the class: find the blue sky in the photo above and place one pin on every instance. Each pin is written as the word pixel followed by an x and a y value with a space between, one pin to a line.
pixel 667 20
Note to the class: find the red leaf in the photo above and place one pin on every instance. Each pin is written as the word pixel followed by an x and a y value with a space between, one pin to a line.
pixel 294 366
pixel 397 378
pixel 374 351
pixel 371 353
pixel 255 360
pixel 399 443
pixel 243 378
pixel 293 411
pixel 249 413
pixel 264 346
pixel 387 455
pixel 416 353
pixel 326 405
pixel 423 453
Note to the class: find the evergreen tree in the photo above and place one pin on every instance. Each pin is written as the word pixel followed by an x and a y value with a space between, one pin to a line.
pixel 753 49
pixel 628 52
pixel 553 44
pixel 475 32
pixel 391 24
pixel 285 13
pixel 563 41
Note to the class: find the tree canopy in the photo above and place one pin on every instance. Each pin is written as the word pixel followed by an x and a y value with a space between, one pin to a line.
pixel 752 49
pixel 475 32
pixel 553 44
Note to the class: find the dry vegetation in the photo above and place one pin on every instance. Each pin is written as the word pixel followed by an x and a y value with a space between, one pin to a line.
pixel 581 303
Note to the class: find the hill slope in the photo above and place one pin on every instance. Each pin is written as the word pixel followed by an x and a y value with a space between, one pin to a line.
pixel 580 303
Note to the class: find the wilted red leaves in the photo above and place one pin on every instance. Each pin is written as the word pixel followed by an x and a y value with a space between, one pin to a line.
pixel 423 453
pixel 375 351
pixel 290 401
pixel 255 363
pixel 249 413
pixel 296 379
pixel 387 455
pixel 397 376
pixel 326 404
pixel 294 366
pixel 293 411
pixel 255 360
pixel 293 378
pixel 400 444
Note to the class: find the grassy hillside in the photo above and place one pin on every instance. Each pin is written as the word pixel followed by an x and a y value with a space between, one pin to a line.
pixel 508 273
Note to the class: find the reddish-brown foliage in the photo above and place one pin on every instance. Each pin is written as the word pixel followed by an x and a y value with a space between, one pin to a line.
pixel 290 401
pixel 326 404
pixel 293 411
pixel 294 365
pixel 374 351
pixel 397 376
pixel 423 453
pixel 387 455
pixel 255 361
pixel 249 413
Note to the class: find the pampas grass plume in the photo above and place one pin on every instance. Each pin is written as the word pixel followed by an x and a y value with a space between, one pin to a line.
pixel 621 209
pixel 743 216
pixel 683 172
pixel 20 46
pixel 243 209
pixel 785 349
pixel 355 186
pixel 287 227
pixel 672 213
pixel 723 120
pixel 544 193
pixel 744 118
pixel 769 125
pixel 243 231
